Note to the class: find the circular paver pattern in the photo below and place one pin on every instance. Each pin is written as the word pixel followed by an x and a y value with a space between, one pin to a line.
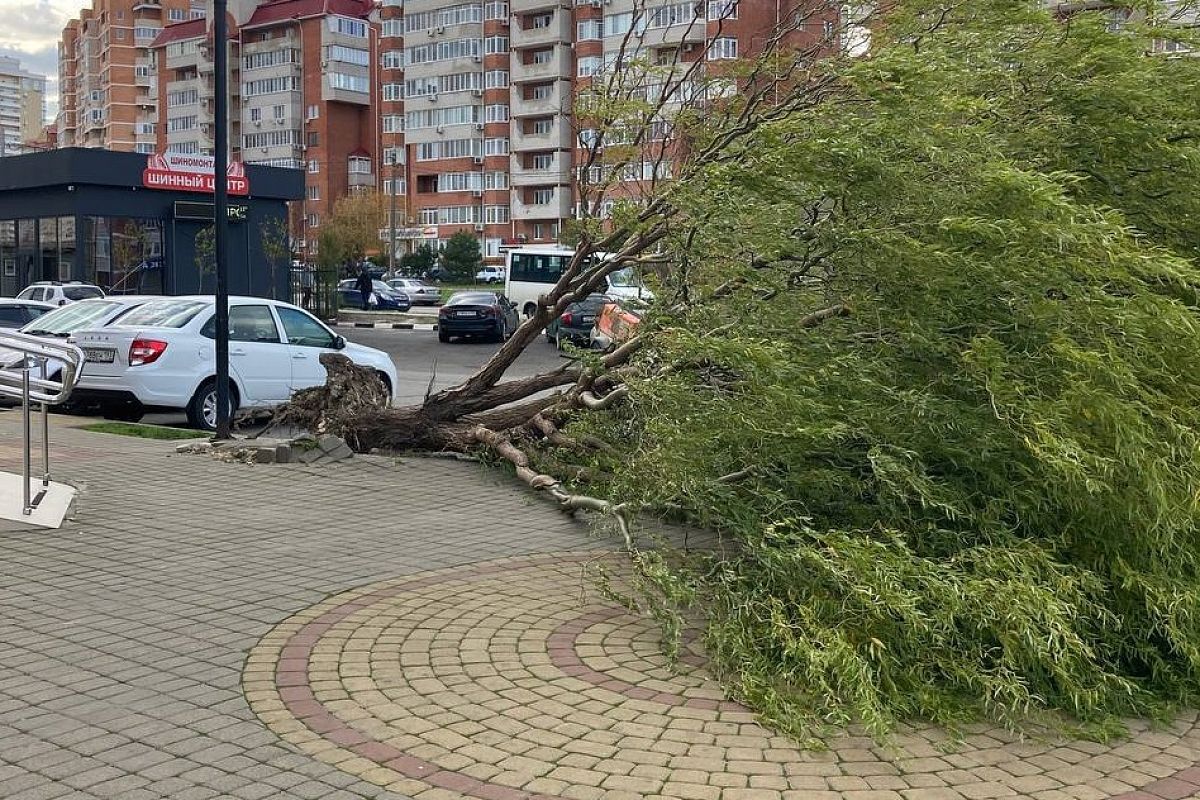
pixel 514 679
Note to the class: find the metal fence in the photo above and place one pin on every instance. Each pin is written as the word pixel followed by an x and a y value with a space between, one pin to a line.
pixel 315 290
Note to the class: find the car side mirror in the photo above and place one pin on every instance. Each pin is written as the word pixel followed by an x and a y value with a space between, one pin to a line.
pixel 339 342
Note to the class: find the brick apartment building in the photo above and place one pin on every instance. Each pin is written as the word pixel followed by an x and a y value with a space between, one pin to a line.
pixel 302 95
pixel 463 109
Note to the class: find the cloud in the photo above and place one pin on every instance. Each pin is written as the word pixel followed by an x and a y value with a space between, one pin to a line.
pixel 31 32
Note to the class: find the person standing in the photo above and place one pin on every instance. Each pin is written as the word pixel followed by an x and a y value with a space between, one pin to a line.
pixel 365 285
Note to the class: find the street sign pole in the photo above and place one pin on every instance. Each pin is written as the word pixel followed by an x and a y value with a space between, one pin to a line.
pixel 221 210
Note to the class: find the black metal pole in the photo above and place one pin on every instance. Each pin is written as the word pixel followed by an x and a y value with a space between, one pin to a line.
pixel 221 209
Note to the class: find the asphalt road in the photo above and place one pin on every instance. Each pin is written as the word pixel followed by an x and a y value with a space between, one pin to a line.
pixel 418 356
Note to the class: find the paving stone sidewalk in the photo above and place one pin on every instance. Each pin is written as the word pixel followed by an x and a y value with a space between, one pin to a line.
pixel 416 629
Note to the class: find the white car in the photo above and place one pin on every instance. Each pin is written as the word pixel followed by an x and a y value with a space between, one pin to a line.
pixel 490 275
pixel 419 292
pixel 162 355
pixel 18 313
pixel 60 294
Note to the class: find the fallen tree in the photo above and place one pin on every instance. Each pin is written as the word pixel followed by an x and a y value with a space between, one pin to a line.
pixel 930 366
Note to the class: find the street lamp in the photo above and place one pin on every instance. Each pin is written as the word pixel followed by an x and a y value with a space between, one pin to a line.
pixel 221 211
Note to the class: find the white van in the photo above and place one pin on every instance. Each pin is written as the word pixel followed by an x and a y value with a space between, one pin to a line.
pixel 531 272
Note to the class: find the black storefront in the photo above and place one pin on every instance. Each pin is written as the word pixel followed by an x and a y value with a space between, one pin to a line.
pixel 84 214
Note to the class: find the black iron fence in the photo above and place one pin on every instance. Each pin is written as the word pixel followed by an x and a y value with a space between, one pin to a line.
pixel 315 289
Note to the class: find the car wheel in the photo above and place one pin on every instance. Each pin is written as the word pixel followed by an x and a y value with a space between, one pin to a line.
pixel 443 337
pixel 387 385
pixel 558 340
pixel 202 408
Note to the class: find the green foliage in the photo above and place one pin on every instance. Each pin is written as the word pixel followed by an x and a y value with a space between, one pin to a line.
pixel 139 431
pixel 419 262
pixel 276 247
pixel 462 256
pixel 975 494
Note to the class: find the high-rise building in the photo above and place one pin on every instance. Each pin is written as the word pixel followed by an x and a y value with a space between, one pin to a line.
pixel 108 96
pixel 22 106
pixel 303 94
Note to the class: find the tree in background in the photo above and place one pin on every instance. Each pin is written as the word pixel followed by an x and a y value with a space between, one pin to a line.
pixel 206 254
pixel 355 224
pixel 462 257
pixel 419 262
pixel 276 247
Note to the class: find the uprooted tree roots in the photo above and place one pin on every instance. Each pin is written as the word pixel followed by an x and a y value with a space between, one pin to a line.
pixel 353 404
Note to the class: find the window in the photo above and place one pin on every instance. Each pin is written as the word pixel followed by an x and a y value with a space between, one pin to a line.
pixel 543 197
pixel 393 92
pixel 271 58
pixel 393 123
pixel 145 147
pixel 495 180
pixel 618 24
pixel 495 79
pixel 449 148
pixel 270 86
pixel 313 112
pixel 393 155
pixel 541 91
pixel 496 147
pixel 495 10
pixel 496 113
pixel 437 117
pixel 673 14
pixel 120 34
pixel 723 48
pixel 541 21
pixel 543 56
pixel 246 324
pixel 537 267
pixel 588 66
pixel 348 27
pixel 392 28
pixel 543 161
pixel 303 330
pixel 589 30
pixel 143 33
pixel 827 28
pixel 543 127
pixel 177 124
pixel 496 215
pixel 185 98
pixel 495 44
pixel 392 59
pixel 279 112
pixel 722 9
pixel 281 138
pixel 314 166
pixel 312 221
pixel 348 55
pixel 256 115
pixel 349 83
pixel 401 187
pixel 313 192
pixel 360 165
pixel 429 216
pixel 196 13
pixel 176 15
pixel 443 51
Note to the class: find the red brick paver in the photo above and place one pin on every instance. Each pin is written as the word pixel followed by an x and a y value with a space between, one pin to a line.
pixel 511 679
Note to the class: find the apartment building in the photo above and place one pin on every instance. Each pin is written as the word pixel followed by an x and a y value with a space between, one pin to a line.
pixel 22 107
pixel 108 95
pixel 303 94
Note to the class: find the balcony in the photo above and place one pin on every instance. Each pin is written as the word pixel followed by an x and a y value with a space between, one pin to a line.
pixel 558 138
pixel 558 67
pixel 559 206
pixel 362 179
pixel 559 30
pixel 522 6
pixel 675 35
pixel 557 173
pixel 558 102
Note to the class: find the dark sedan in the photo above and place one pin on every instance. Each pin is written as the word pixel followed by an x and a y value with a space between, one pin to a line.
pixel 487 314
pixel 575 324
pixel 383 297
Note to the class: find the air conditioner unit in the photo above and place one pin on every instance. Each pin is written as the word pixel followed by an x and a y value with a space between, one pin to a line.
pixel 477 192
pixel 264 149
pixel 478 126
pixel 477 92
pixel 440 129
pixel 440 29
pixel 479 227
pixel 477 59
pixel 325 64
pixel 597 3
pixel 477 160
pixel 689 47
pixel 432 98
pixel 258 123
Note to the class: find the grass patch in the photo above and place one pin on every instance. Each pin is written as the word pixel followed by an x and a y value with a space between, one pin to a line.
pixel 142 431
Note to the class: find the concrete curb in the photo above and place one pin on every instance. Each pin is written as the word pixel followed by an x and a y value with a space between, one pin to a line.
pixel 396 326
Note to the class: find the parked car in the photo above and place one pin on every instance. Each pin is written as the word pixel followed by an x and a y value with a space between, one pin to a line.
pixel 419 292
pixel 59 294
pixel 18 313
pixel 383 297
pixel 487 314
pixel 574 325
pixel 162 356
pixel 490 275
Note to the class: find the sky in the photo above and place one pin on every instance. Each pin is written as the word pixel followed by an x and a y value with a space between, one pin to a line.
pixel 30 32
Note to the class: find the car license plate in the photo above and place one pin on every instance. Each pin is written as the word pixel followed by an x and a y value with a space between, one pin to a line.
pixel 100 355
pixel 464 313
pixel 586 320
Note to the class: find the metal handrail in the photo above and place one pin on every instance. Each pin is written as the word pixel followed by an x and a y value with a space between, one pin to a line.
pixel 34 352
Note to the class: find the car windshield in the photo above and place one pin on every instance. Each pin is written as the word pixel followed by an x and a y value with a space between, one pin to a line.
pixel 165 313
pixel 81 292
pixel 68 319
pixel 624 277
pixel 380 286
pixel 472 299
